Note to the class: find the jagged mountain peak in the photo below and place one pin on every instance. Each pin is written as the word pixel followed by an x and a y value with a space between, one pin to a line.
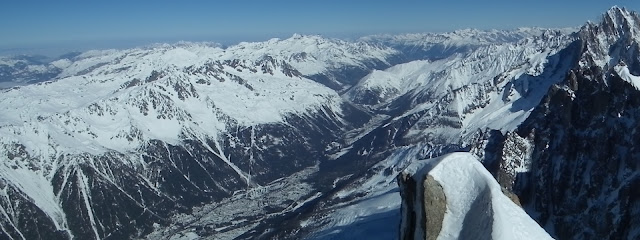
pixel 613 39
pixel 618 12
pixel 620 21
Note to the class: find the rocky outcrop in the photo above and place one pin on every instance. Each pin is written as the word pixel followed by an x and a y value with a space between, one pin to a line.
pixel 431 200
pixel 455 197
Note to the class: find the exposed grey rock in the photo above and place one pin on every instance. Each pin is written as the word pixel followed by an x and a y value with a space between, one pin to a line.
pixel 433 204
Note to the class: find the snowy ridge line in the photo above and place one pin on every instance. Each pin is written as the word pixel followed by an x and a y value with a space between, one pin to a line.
pixel 623 71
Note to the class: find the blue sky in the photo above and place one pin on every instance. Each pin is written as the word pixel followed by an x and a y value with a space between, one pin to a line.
pixel 42 24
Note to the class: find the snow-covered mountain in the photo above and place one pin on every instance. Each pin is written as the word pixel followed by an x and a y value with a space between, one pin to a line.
pixel 523 124
pixel 333 62
pixel 158 129
pixel 21 70
pixel 433 107
pixel 436 78
pixel 434 46
pixel 580 142
pixel 447 100
pixel 304 137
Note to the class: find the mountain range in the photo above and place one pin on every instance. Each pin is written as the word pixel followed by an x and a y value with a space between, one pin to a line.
pixel 319 138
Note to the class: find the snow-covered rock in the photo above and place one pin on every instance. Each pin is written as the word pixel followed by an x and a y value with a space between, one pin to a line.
pixel 455 197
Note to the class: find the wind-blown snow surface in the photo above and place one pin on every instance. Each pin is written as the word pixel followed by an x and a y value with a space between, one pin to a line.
pixel 465 182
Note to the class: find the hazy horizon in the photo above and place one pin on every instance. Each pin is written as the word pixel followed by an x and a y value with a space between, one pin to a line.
pixel 51 28
pixel 57 49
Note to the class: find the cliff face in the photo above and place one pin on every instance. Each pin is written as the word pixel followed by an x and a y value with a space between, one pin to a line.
pixel 583 180
pixel 455 197
pixel 579 146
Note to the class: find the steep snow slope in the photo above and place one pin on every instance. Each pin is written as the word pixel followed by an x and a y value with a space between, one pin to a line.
pixel 475 206
pixel 623 72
